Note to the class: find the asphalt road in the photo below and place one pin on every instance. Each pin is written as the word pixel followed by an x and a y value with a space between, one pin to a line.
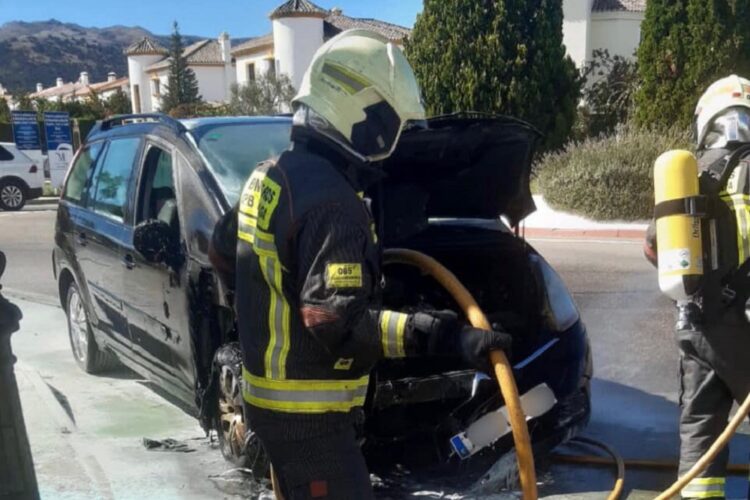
pixel 629 322
pixel 27 238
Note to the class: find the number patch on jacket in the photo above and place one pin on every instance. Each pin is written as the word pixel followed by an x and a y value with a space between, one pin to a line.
pixel 344 276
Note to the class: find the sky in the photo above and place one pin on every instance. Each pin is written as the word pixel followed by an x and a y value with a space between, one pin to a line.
pixel 240 18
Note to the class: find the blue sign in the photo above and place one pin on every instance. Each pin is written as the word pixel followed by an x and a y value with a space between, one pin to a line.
pixel 25 130
pixel 57 130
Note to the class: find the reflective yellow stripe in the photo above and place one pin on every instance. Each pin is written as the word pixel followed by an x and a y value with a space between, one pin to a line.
pixel 704 487
pixel 740 204
pixel 400 328
pixel 304 396
pixel 392 328
pixel 385 317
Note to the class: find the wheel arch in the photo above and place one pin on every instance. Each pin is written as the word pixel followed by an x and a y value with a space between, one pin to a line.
pixel 63 283
pixel 20 180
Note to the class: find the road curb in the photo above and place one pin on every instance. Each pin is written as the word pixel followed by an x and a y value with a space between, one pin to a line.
pixel 587 234
pixel 45 200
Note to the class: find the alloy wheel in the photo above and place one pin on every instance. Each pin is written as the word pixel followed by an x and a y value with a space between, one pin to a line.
pixel 231 418
pixel 11 196
pixel 78 326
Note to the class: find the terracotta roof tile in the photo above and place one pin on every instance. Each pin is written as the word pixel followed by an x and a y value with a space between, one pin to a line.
pixel 145 46
pixel 206 52
pixel 253 44
pixel 339 22
pixel 298 8
pixel 619 5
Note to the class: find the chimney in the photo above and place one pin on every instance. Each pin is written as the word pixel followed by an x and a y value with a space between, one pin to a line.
pixel 59 82
pixel 226 46
pixel 84 78
pixel 111 76
pixel 336 11
pixel 39 87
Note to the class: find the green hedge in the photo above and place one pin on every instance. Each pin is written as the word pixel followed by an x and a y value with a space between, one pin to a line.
pixel 608 178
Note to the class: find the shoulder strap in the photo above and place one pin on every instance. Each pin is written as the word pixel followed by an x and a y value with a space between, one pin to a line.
pixel 722 169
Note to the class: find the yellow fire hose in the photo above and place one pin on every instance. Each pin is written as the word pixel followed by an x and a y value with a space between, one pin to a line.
pixel 503 369
pixel 509 391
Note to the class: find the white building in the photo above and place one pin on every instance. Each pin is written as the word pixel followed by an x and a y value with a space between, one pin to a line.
pixel 148 66
pixel 299 28
pixel 614 25
pixel 82 89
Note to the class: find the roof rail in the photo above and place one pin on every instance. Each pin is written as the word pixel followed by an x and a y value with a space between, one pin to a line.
pixel 120 120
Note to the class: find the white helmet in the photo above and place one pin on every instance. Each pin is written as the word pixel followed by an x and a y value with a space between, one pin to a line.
pixel 359 91
pixel 723 113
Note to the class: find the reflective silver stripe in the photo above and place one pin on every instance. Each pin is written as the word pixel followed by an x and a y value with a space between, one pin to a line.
pixel 354 82
pixel 704 487
pixel 392 328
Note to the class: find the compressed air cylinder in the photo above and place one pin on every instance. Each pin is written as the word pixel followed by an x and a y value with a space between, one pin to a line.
pixel 679 240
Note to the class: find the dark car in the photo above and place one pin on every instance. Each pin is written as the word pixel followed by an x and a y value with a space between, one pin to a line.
pixel 133 229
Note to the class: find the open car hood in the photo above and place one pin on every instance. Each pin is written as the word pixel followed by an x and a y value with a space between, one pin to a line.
pixel 468 166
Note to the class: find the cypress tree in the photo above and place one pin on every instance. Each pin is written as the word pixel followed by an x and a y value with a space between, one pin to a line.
pixel 182 87
pixel 497 56
pixel 686 45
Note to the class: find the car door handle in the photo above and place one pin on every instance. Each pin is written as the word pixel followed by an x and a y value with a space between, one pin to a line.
pixel 128 261
pixel 81 239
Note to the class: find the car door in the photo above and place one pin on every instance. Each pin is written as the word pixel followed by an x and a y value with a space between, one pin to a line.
pixel 156 302
pixel 101 230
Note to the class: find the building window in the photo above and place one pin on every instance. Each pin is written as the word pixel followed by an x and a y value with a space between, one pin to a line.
pixel 155 87
pixel 271 68
pixel 251 72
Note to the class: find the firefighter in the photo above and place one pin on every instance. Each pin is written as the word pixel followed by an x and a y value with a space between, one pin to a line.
pixel 713 328
pixel 308 271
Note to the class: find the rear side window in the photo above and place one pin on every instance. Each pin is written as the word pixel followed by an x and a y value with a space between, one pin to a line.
pixel 112 178
pixel 5 155
pixel 79 174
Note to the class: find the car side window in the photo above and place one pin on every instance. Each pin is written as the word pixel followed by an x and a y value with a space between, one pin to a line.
pixel 112 178
pixel 157 198
pixel 80 172
pixel 6 155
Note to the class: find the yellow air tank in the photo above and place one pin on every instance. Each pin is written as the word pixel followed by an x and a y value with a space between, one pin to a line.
pixel 679 241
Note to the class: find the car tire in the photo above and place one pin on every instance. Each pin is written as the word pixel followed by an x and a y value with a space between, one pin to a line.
pixel 87 354
pixel 239 445
pixel 13 194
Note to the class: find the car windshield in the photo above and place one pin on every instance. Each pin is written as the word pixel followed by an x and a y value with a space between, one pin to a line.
pixel 233 150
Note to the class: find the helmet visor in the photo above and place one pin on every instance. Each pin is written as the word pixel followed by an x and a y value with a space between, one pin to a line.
pixel 731 126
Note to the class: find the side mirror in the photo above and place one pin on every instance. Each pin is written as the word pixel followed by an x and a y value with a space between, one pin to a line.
pixel 156 242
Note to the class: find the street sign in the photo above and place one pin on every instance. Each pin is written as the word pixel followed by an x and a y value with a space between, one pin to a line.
pixel 25 130
pixel 59 145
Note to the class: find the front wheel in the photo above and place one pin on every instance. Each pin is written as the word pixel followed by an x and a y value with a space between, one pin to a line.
pixel 12 195
pixel 239 445
pixel 86 352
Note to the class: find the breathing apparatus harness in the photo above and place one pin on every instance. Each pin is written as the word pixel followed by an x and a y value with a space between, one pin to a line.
pixel 705 206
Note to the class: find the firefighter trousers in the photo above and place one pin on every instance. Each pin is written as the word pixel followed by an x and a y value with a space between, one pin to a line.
pixel 714 373
pixel 313 456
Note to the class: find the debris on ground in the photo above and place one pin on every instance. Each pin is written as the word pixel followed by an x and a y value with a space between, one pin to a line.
pixel 167 445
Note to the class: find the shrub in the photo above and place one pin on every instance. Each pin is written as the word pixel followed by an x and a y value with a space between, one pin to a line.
pixel 609 94
pixel 503 57
pixel 608 178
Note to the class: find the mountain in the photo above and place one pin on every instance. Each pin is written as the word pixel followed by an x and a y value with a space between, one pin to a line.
pixel 42 51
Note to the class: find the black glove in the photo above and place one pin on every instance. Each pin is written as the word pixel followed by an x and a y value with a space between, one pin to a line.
pixel 442 335
pixel 475 345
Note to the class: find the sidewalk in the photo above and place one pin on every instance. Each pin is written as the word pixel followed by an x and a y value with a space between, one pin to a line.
pixel 549 223
pixel 85 431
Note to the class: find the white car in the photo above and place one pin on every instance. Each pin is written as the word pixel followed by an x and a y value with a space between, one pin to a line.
pixel 21 179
